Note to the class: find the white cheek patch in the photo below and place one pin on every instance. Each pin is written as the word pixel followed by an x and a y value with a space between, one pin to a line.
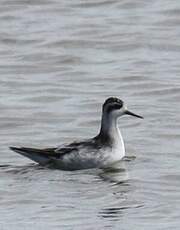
pixel 124 108
pixel 117 113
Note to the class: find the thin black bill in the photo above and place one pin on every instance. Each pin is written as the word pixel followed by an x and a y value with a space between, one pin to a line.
pixel 133 114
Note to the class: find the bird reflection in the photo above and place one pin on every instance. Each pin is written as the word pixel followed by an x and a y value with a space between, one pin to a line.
pixel 115 213
pixel 112 213
pixel 117 173
pixel 118 177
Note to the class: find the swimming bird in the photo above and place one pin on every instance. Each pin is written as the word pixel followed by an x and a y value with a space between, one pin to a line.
pixel 100 151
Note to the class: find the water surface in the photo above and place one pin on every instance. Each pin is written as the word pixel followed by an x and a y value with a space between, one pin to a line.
pixel 59 60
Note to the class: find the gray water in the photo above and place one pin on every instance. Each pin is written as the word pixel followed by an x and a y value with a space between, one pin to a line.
pixel 59 60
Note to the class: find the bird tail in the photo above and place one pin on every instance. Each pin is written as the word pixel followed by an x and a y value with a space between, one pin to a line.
pixel 33 154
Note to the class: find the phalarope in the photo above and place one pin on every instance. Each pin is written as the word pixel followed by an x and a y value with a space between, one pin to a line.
pixel 99 152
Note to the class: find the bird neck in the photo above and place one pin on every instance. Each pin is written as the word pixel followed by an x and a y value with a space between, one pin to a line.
pixel 109 133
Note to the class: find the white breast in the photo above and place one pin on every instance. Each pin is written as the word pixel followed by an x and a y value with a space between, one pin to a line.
pixel 118 150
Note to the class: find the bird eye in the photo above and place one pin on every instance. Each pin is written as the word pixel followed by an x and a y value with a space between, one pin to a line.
pixel 117 105
pixel 114 106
